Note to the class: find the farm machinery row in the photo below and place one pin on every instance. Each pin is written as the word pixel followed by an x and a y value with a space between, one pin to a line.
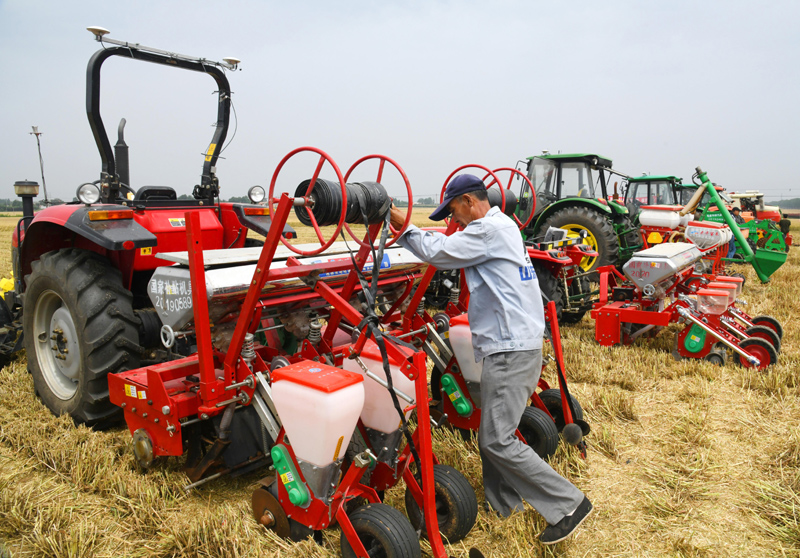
pixel 684 282
pixel 309 360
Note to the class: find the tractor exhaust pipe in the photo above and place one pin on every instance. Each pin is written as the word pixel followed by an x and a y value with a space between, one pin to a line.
pixel 121 155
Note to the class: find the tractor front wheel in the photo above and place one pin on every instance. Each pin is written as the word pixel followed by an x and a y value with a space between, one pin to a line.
pixel 599 230
pixel 79 326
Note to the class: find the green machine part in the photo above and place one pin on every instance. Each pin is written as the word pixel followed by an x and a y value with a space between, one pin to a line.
pixel 695 340
pixel 462 405
pixel 297 490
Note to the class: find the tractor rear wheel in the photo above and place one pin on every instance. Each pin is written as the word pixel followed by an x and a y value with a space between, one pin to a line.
pixel 384 531
pixel 550 287
pixel 599 230
pixel 79 327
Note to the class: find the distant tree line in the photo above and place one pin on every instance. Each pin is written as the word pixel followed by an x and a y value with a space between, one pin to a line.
pixel 793 203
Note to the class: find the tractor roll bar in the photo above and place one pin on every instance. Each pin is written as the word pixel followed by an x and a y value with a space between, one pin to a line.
pixel 209 186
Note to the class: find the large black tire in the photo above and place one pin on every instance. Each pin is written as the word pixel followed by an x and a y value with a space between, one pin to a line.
pixel 552 400
pixel 550 287
pixel 76 308
pixel 539 431
pixel 602 236
pixel 456 505
pixel 384 531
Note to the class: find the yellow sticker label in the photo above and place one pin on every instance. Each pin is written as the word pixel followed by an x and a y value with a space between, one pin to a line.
pixel 130 390
pixel 455 395
pixel 210 152
pixel 177 222
pixel 287 477
pixel 142 394
pixel 146 251
pixel 338 448
pixel 446 335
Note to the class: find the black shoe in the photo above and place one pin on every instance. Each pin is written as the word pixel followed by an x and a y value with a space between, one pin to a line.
pixel 564 528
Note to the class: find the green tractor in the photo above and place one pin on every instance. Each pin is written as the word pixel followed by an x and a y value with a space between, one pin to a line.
pixel 572 193
pixel 646 190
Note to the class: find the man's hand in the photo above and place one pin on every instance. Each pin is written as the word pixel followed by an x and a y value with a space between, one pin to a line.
pixel 397 217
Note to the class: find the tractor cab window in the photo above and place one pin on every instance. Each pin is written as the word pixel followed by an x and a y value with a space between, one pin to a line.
pixel 576 181
pixel 635 196
pixel 661 194
pixel 686 195
pixel 542 174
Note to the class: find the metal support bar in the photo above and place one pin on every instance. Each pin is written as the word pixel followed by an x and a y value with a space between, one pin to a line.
pixel 249 382
pixel 265 391
pixel 412 333
pixel 444 350
pixel 385 384
pixel 267 419
pixel 728 323
pixel 438 362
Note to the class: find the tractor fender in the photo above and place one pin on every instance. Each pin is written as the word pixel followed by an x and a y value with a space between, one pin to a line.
pixel 593 204
pixel 65 226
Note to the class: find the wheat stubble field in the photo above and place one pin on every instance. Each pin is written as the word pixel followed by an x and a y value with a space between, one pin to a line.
pixel 685 460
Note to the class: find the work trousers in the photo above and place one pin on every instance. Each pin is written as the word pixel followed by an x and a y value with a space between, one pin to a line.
pixel 512 471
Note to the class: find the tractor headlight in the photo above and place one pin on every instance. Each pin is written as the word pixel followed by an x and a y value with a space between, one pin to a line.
pixel 88 193
pixel 256 194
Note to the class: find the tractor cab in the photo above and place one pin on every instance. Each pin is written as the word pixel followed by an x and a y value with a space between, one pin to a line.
pixel 646 190
pixel 572 193
pixel 556 177
pixel 684 193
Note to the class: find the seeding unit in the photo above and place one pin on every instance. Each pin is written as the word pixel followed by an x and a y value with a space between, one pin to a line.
pixel 661 286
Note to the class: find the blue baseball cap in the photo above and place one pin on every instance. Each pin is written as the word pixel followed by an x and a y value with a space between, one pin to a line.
pixel 461 184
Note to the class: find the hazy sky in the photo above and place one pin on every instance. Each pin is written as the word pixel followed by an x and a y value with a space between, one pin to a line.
pixel 659 87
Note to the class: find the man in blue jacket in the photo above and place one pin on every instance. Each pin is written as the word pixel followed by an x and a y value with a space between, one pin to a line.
pixel 507 322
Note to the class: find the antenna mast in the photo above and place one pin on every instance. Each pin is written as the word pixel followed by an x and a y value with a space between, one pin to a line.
pixel 37 133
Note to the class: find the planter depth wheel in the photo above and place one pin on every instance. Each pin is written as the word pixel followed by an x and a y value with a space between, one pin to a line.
pixel 456 506
pixel 384 531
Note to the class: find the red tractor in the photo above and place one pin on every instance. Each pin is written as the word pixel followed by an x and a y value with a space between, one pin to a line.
pixel 79 305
